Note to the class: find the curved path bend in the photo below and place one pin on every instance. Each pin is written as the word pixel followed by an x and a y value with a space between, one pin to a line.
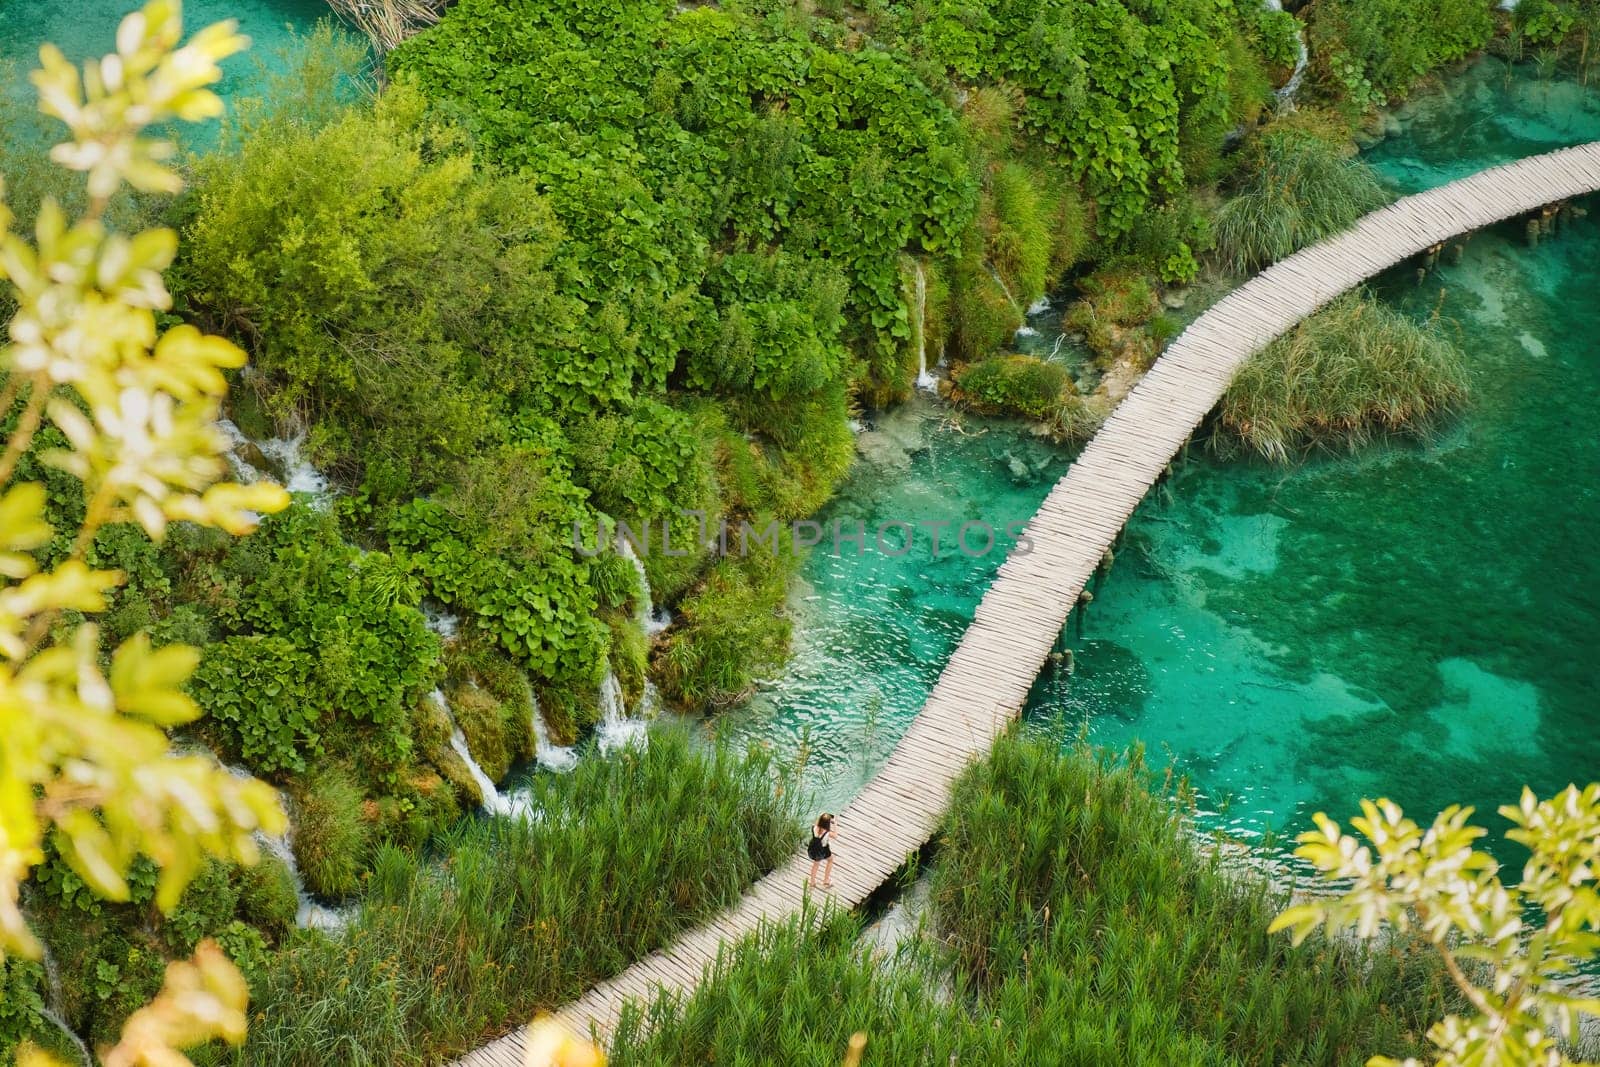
pixel 987 678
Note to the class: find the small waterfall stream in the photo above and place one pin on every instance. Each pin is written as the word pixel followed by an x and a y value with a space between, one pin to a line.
pixel 55 1006
pixel 927 382
pixel 653 621
pixel 1302 59
pixel 548 754
pixel 1001 282
pixel 311 914
pixel 493 802
pixel 299 476
pixel 616 730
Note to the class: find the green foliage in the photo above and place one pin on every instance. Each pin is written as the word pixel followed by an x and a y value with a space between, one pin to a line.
pixel 1299 187
pixel 324 654
pixel 712 136
pixel 1368 51
pixel 22 1004
pixel 1355 370
pixel 1522 943
pixel 256 692
pixel 1073 920
pixel 541 609
pixel 267 897
pixel 494 738
pixel 526 915
pixel 1015 384
pixel 331 831
pixel 731 630
pixel 391 289
pixel 1121 91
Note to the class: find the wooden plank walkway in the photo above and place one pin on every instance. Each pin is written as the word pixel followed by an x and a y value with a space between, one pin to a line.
pixel 988 676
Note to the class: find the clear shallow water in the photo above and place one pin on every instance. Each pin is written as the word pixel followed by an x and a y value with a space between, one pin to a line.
pixel 1416 621
pixel 872 630
pixel 87 28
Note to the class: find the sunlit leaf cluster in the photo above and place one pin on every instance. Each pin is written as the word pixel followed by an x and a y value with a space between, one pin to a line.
pixel 84 753
pixel 1511 949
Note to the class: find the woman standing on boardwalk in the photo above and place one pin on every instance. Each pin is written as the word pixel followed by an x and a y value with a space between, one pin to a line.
pixel 821 848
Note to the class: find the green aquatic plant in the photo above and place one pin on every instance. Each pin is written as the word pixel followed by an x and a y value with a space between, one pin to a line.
pixel 1299 187
pixel 1019 384
pixel 1354 371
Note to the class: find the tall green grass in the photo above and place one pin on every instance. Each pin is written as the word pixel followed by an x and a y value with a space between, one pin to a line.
pixel 1354 371
pixel 523 916
pixel 1074 922
pixel 1300 188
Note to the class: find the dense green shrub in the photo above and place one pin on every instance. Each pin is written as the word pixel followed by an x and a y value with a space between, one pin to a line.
pixel 1355 370
pixel 1368 51
pixel 393 289
pixel 325 659
pixel 541 608
pixel 256 695
pixel 332 833
pixel 526 915
pixel 1015 384
pixel 731 630
pixel 267 898
pixel 1298 187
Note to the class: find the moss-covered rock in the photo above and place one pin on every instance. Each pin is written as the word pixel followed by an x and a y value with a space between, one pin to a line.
pixel 332 831
pixel 267 896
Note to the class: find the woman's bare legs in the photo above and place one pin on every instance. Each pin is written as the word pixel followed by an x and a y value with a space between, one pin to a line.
pixel 813 878
pixel 827 873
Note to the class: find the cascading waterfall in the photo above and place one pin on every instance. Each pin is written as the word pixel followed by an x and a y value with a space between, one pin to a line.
pixel 1302 59
pixel 548 754
pixel 644 612
pixel 310 914
pixel 616 730
pixel 1001 282
pixel 493 802
pixel 927 382
pixel 298 474
pixel 243 469
pixel 54 1003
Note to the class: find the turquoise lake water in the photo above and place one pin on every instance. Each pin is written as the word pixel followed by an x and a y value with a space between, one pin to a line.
pixel 1415 621
pixel 87 28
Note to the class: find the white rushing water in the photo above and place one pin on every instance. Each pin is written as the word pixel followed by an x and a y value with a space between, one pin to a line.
pixel 243 469
pixel 298 474
pixel 55 1000
pixel 1001 282
pixel 1302 59
pixel 493 802
pixel 926 381
pixel 548 754
pixel 616 730
pixel 441 621
pixel 310 914
pixel 653 621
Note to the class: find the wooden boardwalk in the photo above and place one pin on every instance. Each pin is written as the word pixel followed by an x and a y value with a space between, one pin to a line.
pixel 988 676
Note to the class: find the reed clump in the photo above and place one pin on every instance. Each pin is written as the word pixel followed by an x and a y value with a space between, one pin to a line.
pixel 1300 187
pixel 618 858
pixel 1354 371
pixel 389 22
pixel 1074 920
